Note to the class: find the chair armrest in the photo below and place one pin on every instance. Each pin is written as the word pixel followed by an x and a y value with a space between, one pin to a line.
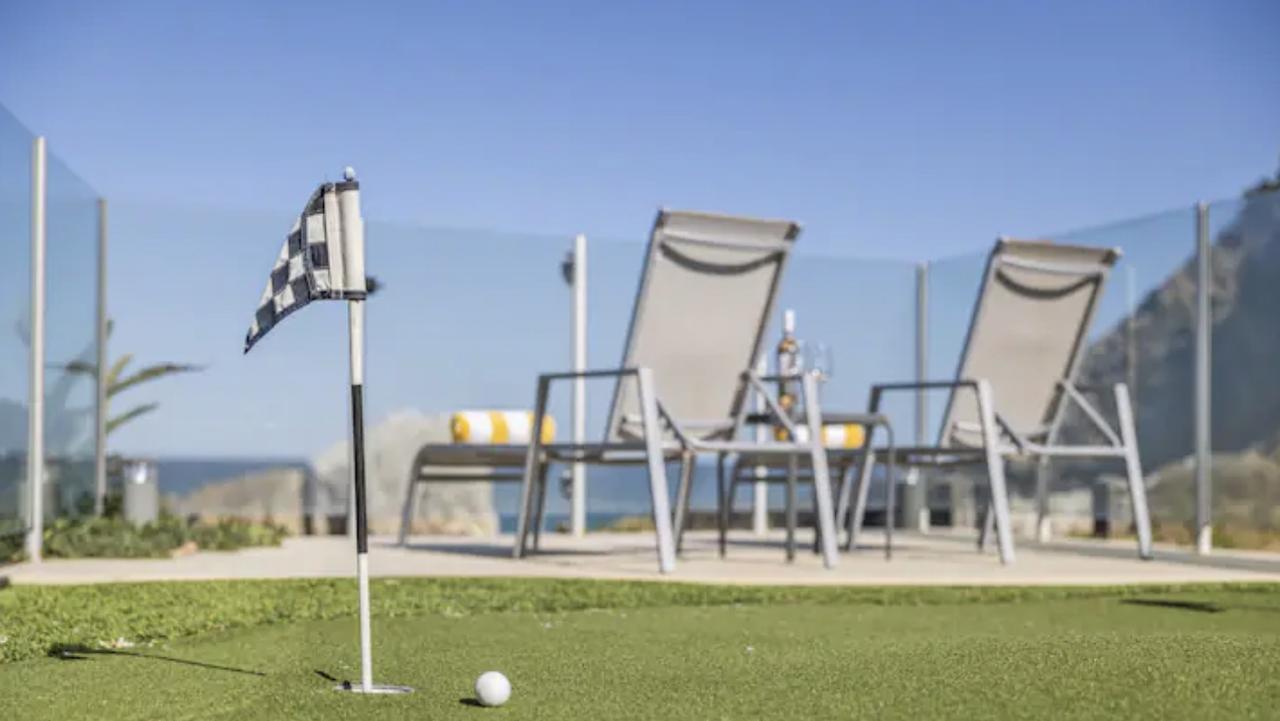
pixel 866 419
pixel 924 385
pixel 595 373
pixel 781 378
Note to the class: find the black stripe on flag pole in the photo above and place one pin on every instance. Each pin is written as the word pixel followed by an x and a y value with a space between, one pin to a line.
pixel 357 444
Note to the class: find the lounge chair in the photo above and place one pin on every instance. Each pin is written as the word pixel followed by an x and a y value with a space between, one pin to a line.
pixel 1015 380
pixel 706 294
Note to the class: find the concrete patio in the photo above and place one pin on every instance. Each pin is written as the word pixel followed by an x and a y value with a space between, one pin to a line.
pixel 935 559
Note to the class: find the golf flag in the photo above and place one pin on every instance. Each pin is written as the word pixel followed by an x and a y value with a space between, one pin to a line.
pixel 321 259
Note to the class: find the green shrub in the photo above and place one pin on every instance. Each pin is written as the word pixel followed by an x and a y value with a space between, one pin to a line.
pixel 11 550
pixel 631 524
pixel 228 534
pixel 118 538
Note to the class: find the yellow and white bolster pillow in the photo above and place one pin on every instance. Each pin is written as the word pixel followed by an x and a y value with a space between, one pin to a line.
pixel 836 435
pixel 498 427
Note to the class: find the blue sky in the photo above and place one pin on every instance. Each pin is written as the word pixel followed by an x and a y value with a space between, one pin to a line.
pixel 901 130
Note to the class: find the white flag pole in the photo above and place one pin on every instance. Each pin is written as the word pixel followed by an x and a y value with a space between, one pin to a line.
pixel 353 280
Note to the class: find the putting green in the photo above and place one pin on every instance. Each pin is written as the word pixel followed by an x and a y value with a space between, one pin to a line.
pixel 1195 654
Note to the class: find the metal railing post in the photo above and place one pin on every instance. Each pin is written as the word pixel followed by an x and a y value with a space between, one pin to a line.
pixel 35 407
pixel 917 500
pixel 760 490
pixel 100 380
pixel 1203 389
pixel 578 500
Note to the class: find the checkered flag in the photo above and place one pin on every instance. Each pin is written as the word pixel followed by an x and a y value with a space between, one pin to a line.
pixel 322 258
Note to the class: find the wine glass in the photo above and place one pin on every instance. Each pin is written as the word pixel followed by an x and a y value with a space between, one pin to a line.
pixel 818 359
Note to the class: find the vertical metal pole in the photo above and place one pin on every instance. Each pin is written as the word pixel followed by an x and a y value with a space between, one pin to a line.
pixel 578 516
pixel 352 278
pixel 1131 331
pixel 788 362
pixel 760 490
pixel 1203 446
pixel 100 377
pixel 35 405
pixel 355 320
pixel 918 495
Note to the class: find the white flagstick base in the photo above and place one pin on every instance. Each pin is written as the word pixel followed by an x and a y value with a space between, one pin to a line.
pixel 375 689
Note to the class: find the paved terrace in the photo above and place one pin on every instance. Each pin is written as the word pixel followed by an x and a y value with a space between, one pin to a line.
pixel 936 559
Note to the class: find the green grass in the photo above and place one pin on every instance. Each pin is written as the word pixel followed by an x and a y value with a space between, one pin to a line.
pixel 588 650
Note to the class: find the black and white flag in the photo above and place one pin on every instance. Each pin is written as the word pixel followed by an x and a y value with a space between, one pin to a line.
pixel 322 258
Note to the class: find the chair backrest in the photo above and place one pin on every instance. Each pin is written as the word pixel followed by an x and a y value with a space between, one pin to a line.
pixel 705 297
pixel 1027 333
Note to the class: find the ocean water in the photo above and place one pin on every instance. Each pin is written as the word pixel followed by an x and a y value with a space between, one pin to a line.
pixel 613 492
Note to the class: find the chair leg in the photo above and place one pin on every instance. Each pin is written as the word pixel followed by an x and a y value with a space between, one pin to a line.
pixel 531 468
pixel 995 472
pixel 861 492
pixel 890 504
pixel 1133 468
pixel 682 498
pixel 987 527
pixel 724 501
pixel 817 537
pixel 821 474
pixel 406 512
pixel 658 488
pixel 541 509
pixel 846 489
pixel 1044 529
pixel 791 508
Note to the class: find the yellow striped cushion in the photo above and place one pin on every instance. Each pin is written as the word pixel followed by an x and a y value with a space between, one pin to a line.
pixel 498 427
pixel 835 435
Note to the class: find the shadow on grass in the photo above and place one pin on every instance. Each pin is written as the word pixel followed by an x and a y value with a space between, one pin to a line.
pixel 497 551
pixel 470 702
pixel 1199 606
pixel 80 652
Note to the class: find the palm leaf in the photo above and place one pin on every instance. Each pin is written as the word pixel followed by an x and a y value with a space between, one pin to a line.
pixel 158 370
pixel 82 367
pixel 124 418
pixel 114 371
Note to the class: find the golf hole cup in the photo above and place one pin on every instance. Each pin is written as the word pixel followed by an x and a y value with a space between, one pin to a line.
pixel 492 689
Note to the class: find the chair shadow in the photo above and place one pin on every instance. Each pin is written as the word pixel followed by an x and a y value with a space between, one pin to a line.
pixel 1198 606
pixel 804 540
pixel 502 551
pixel 81 652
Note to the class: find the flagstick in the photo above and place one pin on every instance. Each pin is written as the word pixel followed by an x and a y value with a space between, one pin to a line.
pixel 353 265
pixel 355 318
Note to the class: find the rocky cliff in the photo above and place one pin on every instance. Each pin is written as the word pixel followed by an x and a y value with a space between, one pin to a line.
pixel 1245 265
pixel 287 495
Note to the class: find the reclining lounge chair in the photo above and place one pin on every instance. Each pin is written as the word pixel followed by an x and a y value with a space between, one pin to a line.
pixel 706 293
pixel 1015 380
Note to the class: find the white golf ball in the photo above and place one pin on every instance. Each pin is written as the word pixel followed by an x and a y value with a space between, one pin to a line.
pixel 492 689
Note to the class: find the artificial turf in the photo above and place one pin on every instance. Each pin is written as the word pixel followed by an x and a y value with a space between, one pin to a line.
pixel 600 650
